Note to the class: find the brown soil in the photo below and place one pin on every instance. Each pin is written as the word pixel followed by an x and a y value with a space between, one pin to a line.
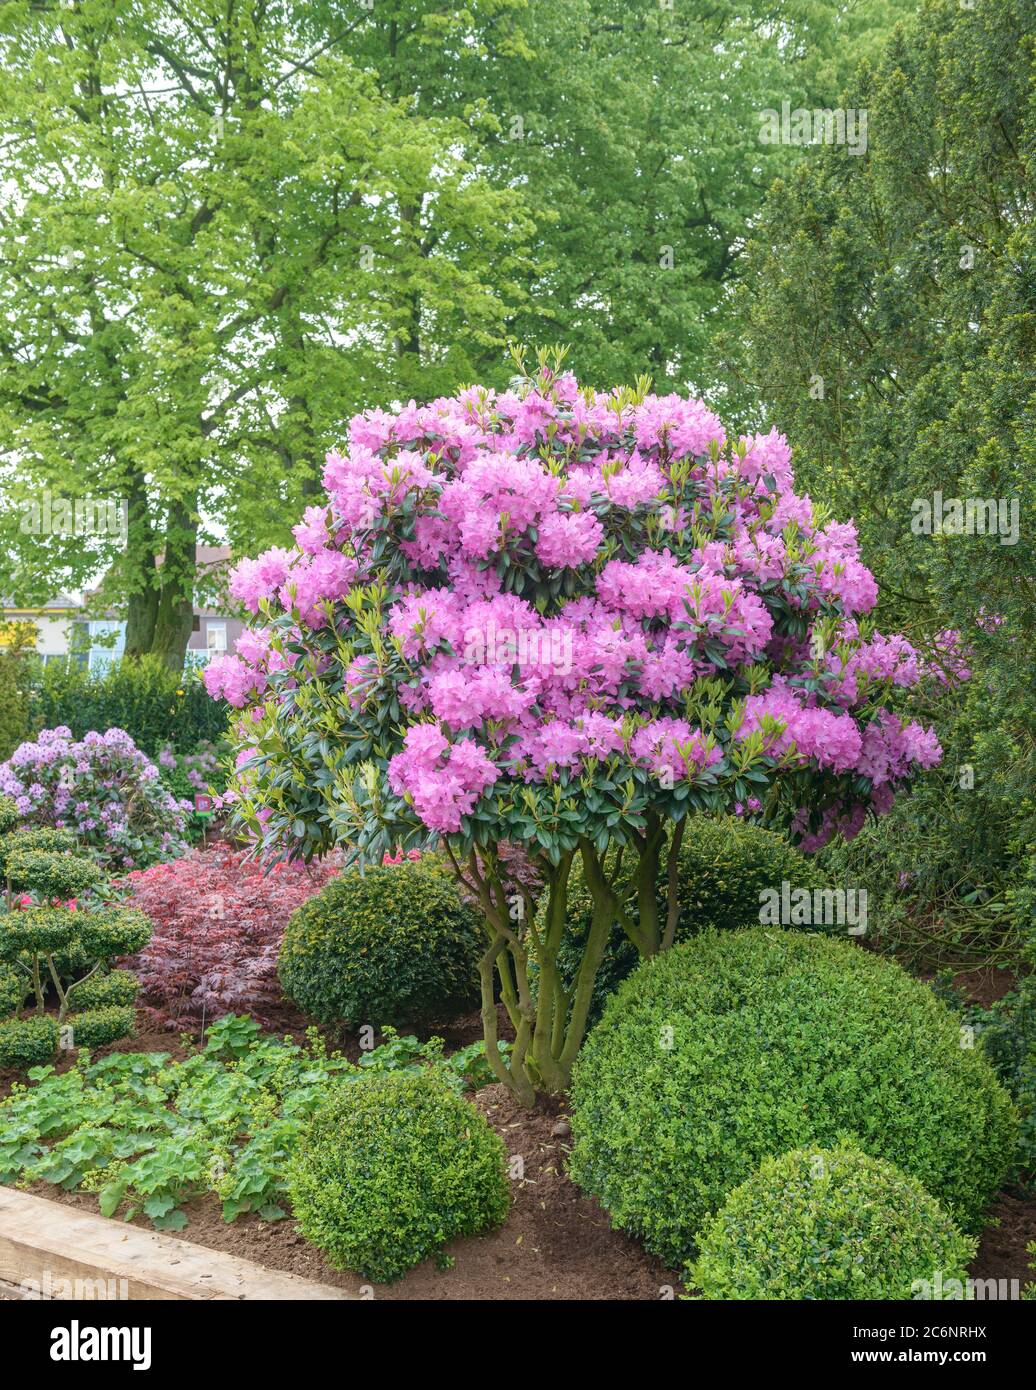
pixel 555 1243
pixel 1001 1250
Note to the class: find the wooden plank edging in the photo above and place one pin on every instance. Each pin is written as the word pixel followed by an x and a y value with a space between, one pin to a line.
pixel 43 1244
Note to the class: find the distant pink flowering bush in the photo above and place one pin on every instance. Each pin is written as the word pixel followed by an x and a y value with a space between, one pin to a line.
pixel 567 620
pixel 102 787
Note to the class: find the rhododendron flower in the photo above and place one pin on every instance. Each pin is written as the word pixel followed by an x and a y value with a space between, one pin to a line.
pixel 103 788
pixel 562 621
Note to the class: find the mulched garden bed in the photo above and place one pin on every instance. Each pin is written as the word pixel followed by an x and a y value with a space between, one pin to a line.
pixel 555 1244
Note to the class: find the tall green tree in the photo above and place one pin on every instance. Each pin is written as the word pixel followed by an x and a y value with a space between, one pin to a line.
pixel 889 304
pixel 228 223
pixel 635 126
pixel 214 230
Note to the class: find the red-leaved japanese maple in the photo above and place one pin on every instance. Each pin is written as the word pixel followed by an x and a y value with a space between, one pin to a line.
pixel 218 918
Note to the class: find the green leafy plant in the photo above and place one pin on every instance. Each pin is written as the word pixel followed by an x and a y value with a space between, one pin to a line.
pixel 390 944
pixel 828 1224
pixel 148 1133
pixel 391 1168
pixel 1006 1031
pixel 56 947
pixel 736 1046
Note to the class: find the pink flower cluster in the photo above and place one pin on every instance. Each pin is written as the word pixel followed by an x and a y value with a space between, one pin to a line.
pixel 560 574
pixel 443 779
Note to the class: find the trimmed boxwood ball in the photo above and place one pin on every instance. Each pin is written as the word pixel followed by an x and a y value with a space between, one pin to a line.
pixel 35 837
pixel 391 945
pixel 63 875
pixel 28 1042
pixel 103 991
pixel 390 1168
pixel 725 864
pixel 736 1046
pixel 827 1224
pixel 98 1027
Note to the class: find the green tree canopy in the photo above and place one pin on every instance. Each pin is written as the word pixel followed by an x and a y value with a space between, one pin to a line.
pixel 209 211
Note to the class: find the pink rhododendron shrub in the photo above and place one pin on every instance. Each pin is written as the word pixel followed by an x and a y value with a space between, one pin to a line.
pixel 566 621
pixel 103 788
pixel 217 923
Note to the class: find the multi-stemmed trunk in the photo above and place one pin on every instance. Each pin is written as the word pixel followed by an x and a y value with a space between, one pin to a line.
pixel 549 1017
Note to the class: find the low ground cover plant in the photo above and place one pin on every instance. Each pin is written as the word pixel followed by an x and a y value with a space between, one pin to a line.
pixel 829 1224
pixel 737 1046
pixel 103 788
pixel 218 918
pixel 148 1132
pixel 392 944
pixel 390 1169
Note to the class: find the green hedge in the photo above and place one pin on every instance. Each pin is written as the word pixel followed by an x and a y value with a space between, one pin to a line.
pixel 393 944
pixel 155 706
pixel 390 1168
pixel 736 1046
pixel 36 837
pixel 16 668
pixel 828 1224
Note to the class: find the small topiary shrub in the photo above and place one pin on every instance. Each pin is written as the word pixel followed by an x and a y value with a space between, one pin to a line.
pixel 390 1168
pixel 104 991
pixel 97 1027
pixel 725 864
pixel 53 875
pixel 736 1046
pixel 14 986
pixel 827 1224
pixel 39 837
pixel 28 1042
pixel 394 944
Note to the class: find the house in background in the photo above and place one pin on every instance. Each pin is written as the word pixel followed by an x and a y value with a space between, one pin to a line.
pixel 64 632
pixel 215 632
pixel 53 621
